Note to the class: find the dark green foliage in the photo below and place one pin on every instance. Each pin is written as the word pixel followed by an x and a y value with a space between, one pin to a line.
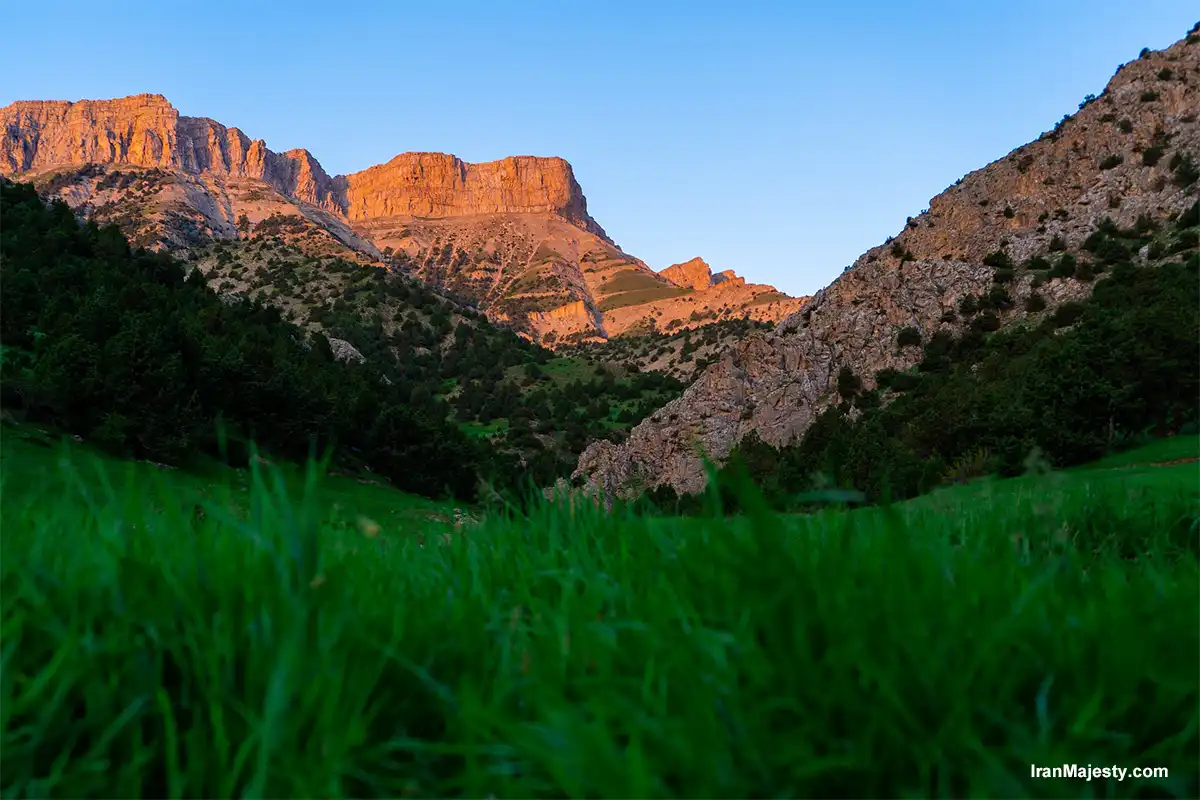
pixel 1189 218
pixel 998 259
pixel 1068 313
pixel 968 305
pixel 1034 303
pixel 1065 267
pixel 1152 154
pixel 908 337
pixel 1111 161
pixel 848 384
pixel 1003 275
pixel 986 322
pixel 1125 362
pixel 1185 169
pixel 1149 96
pixel 1037 263
pixel 1125 126
pixel 118 346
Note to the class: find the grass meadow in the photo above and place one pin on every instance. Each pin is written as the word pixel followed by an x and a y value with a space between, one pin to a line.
pixel 275 632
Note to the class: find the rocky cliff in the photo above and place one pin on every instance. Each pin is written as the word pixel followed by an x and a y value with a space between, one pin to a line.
pixel 440 185
pixel 513 236
pixel 692 274
pixel 1129 153
pixel 147 131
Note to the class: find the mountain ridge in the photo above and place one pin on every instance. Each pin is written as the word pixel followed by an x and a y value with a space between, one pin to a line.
pixel 513 236
pixel 1128 156
pixel 156 135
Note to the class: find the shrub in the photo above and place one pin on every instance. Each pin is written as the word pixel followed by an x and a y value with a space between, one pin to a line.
pixel 908 337
pixel 987 322
pixel 1186 171
pixel 998 298
pixel 998 259
pixel 848 384
pixel 1111 161
pixel 1068 313
pixel 1003 275
pixel 1148 96
pixel 1165 74
pixel 1057 244
pixel 1034 303
pixel 1125 126
pixel 1152 154
pixel 968 305
pixel 1065 267
pixel 1009 213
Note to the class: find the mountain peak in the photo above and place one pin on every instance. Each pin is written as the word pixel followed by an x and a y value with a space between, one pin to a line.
pixel 694 273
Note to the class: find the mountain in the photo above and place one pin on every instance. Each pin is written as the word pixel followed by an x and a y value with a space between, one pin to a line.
pixel 512 237
pixel 1006 244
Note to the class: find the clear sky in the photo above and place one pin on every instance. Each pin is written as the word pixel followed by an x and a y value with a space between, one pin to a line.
pixel 778 139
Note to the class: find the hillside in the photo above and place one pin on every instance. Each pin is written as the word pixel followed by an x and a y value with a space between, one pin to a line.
pixel 1008 244
pixel 513 237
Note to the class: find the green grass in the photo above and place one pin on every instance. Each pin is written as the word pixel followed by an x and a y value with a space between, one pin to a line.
pixel 631 287
pixel 484 429
pixel 271 647
pixel 561 370
pixel 614 301
pixel 1161 451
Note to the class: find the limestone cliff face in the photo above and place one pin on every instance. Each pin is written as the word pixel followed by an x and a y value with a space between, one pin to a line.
pixel 692 274
pixel 147 131
pixel 136 130
pixel 1111 159
pixel 440 185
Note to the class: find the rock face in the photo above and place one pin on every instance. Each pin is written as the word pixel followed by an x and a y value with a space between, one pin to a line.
pixel 1114 158
pixel 440 185
pixel 513 236
pixel 693 274
pixel 145 130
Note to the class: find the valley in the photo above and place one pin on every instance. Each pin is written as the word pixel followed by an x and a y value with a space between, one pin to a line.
pixel 412 482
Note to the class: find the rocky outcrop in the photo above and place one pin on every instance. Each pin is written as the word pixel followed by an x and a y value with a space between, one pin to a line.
pixel 147 131
pixel 728 276
pixel 440 185
pixel 692 274
pixel 344 351
pixel 1112 159
pixel 568 319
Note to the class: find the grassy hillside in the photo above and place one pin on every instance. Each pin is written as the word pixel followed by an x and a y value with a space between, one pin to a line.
pixel 264 634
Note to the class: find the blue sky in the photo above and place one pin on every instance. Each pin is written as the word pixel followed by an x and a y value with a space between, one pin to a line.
pixel 778 139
